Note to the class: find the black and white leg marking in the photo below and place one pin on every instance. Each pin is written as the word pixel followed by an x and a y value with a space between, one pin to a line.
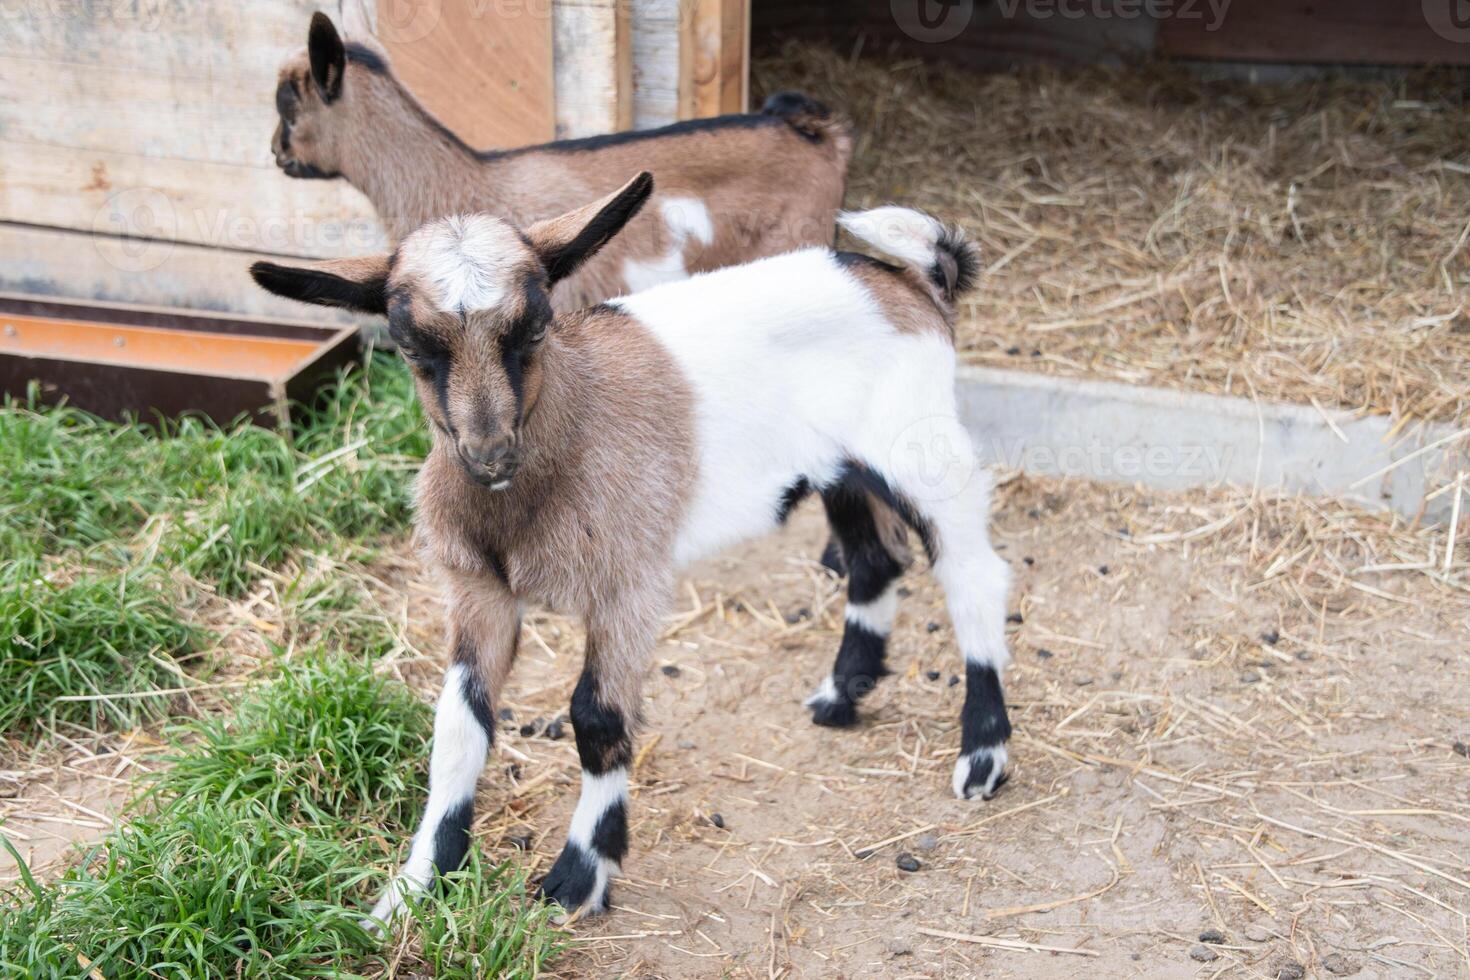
pixel 598 838
pixel 872 602
pixel 463 732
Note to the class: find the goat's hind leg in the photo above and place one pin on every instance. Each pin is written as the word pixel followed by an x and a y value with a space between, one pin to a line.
pixel 949 498
pixel 484 628
pixel 858 521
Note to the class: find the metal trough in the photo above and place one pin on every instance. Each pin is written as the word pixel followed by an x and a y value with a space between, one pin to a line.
pixel 116 360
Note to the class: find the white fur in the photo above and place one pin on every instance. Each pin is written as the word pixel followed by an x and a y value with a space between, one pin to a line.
pixel 965 763
pixel 877 616
pixel 599 794
pixel 907 235
pixel 826 694
pixel 460 747
pixel 466 260
pixel 834 379
pixel 686 219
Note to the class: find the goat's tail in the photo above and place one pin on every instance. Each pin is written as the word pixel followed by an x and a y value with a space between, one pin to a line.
pixel 943 254
pixel 812 120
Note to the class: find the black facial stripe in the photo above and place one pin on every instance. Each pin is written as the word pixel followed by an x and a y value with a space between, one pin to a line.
pixel 983 719
pixel 452 836
pixel 610 837
pixel 602 734
pixel 790 497
pixel 287 101
pixel 513 363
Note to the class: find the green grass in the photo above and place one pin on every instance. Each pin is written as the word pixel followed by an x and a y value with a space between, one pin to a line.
pixel 87 634
pixel 260 842
pixel 111 532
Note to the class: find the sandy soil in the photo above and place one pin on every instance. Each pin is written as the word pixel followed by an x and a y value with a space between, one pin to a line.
pixel 1173 771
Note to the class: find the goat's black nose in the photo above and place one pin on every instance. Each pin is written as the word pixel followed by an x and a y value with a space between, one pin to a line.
pixel 493 457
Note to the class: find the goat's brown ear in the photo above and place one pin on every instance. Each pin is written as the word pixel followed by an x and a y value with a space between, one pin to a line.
pixel 328 56
pixel 566 242
pixel 357 284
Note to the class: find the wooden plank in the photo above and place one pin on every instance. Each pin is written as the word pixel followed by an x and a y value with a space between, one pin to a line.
pixel 1384 32
pixel 484 69
pixel 594 67
pixel 721 56
pixel 82 266
pixel 198 202
pixel 660 74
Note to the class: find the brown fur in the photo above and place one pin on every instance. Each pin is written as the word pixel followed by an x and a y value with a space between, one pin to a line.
pixel 768 188
pixel 587 525
pixel 901 292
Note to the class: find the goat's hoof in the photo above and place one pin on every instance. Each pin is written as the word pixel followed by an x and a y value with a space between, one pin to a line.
pixel 829 708
pixel 980 773
pixel 578 881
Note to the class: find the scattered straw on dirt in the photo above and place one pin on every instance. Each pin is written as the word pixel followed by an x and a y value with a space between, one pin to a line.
pixel 1232 715
pixel 1306 243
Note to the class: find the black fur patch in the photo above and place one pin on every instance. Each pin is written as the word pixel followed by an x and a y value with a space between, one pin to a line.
pixel 473 690
pixel 321 288
pixel 328 56
pixel 832 559
pixel 563 261
pixel 602 733
pixel 571 879
pixel 870 568
pixel 790 497
pixel 983 721
pixel 957 266
pixel 859 666
pixel 858 259
pixel 452 837
pixel 361 54
pixel 801 112
pixel 856 475
pixel 712 124
pixel 610 838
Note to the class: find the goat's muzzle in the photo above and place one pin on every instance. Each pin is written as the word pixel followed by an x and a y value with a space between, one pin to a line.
pixel 491 466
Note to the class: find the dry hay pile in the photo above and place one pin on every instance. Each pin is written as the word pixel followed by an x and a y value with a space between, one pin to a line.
pixel 1302 243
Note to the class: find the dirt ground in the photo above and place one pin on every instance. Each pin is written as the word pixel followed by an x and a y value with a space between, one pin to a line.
pixel 1223 722
pixel 1172 771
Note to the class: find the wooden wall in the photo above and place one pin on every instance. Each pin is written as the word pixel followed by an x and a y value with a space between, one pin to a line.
pixel 135 161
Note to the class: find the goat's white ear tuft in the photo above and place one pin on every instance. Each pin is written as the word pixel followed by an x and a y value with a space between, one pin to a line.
pixel 358 284
pixel 566 242
pixel 328 56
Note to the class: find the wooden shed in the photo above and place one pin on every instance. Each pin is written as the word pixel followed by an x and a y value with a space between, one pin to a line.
pixel 135 161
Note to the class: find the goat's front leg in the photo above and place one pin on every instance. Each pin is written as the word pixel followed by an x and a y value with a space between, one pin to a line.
pixel 483 629
pixel 604 713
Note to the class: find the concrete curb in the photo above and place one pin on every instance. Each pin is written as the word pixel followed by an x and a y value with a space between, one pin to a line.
pixel 1120 433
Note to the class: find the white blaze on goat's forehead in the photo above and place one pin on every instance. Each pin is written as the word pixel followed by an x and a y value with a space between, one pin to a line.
pixel 903 233
pixel 466 262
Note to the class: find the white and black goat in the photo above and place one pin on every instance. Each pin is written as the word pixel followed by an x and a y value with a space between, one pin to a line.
pixel 580 459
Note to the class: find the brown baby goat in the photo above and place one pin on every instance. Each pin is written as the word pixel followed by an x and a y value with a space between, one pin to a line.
pixel 580 459
pixel 731 189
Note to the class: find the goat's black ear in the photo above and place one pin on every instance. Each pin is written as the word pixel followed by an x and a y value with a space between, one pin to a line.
pixel 356 284
pixel 328 56
pixel 566 242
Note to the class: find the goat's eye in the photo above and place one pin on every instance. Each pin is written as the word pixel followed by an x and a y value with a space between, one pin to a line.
pixel 538 334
